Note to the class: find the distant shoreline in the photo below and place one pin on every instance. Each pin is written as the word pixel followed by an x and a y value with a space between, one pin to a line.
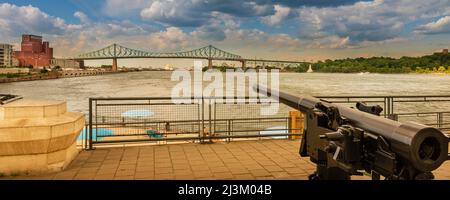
pixel 57 75
pixel 50 75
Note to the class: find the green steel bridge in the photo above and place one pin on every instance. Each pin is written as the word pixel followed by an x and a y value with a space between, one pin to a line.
pixel 209 53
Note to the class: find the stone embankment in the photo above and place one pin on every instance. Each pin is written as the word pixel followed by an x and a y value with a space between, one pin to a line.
pixel 55 75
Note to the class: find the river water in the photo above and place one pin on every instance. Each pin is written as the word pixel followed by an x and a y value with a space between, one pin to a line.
pixel 76 91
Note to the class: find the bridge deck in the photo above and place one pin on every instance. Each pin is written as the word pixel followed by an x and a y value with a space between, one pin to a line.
pixel 257 159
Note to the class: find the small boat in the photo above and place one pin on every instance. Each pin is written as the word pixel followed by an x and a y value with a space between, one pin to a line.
pixel 310 70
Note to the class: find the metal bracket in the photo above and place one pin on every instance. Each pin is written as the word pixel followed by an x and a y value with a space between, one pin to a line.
pixel 8 98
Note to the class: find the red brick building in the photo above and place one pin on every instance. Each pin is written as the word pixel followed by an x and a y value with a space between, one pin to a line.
pixel 34 52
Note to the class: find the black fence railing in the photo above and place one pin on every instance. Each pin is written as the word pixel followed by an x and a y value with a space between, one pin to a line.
pixel 397 103
pixel 159 120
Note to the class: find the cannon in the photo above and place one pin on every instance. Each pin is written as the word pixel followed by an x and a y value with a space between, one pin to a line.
pixel 343 141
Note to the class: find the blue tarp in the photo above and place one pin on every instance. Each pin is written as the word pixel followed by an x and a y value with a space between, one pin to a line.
pixel 138 113
pixel 95 132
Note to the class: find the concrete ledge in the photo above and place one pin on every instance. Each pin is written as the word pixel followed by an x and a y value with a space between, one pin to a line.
pixel 12 130
pixel 37 136
pixel 33 109
pixel 38 163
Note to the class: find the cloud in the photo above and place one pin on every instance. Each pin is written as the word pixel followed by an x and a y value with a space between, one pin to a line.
pixel 196 13
pixel 316 3
pixel 216 28
pixel 174 14
pixel 171 39
pixel 82 17
pixel 281 13
pixel 257 39
pixel 16 20
pixel 440 26
pixel 212 33
pixel 115 8
pixel 365 22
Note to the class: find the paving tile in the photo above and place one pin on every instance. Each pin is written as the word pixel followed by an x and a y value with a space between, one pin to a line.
pixel 166 176
pixel 240 160
pixel 223 175
pixel 273 168
pixel 104 177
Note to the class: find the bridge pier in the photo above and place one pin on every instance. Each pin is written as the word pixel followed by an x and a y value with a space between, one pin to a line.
pixel 243 62
pixel 210 64
pixel 114 65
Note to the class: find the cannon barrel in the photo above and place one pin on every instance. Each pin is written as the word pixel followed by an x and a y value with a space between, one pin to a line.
pixel 424 147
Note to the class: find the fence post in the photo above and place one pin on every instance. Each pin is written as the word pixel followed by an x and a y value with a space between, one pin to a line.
pixel 203 122
pixel 228 129
pixel 440 119
pixel 392 105
pixel 85 137
pixel 90 124
pixel 210 120
pixel 198 121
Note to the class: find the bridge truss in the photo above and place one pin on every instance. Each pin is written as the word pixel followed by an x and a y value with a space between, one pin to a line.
pixel 117 51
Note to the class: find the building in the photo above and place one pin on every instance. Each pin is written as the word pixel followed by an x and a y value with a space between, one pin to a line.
pixel 6 58
pixel 445 51
pixel 67 63
pixel 34 52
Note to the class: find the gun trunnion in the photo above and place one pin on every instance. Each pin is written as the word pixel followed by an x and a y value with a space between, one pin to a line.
pixel 342 141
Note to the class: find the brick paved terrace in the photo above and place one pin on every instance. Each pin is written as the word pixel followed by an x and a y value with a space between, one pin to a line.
pixel 239 160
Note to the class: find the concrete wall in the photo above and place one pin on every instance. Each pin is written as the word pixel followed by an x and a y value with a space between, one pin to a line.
pixel 77 73
pixel 65 63
pixel 50 75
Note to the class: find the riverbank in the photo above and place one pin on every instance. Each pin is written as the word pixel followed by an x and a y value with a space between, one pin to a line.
pixel 56 75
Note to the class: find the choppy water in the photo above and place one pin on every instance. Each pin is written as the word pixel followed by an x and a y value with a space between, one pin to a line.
pixel 76 91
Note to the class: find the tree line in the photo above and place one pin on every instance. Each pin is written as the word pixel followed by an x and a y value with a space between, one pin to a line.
pixel 435 63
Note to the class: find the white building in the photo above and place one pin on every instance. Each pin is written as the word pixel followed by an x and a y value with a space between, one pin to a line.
pixel 6 55
pixel 65 63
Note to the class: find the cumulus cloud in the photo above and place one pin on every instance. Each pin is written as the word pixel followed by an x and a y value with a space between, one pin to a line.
pixel 440 26
pixel 364 22
pixel 257 39
pixel 281 13
pixel 216 28
pixel 172 38
pixel 116 8
pixel 275 25
pixel 316 3
pixel 82 17
pixel 28 19
pixel 197 12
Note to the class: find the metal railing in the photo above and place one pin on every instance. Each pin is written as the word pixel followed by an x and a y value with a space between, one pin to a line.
pixel 436 119
pixel 424 109
pixel 159 120
pixel 403 102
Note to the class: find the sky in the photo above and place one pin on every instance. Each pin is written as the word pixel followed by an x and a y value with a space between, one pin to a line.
pixel 300 30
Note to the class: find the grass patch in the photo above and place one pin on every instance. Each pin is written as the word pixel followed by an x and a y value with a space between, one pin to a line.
pixel 15 75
